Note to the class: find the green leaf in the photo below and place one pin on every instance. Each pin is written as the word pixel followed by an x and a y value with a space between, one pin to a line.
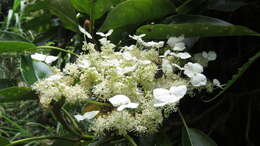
pixel 100 7
pixel 163 31
pixel 16 46
pixel 226 5
pixel 3 141
pixel 12 42
pixel 10 36
pixel 186 19
pixel 195 137
pixel 16 94
pixel 191 6
pixel 241 71
pixel 136 12
pixel 33 71
pixel 64 10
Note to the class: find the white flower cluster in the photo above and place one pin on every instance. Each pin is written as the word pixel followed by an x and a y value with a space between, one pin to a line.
pixel 130 80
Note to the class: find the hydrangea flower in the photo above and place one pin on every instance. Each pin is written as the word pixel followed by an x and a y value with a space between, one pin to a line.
pixel 105 34
pixel 216 82
pixel 164 96
pixel 184 55
pixel 211 55
pixel 81 29
pixel 122 102
pixel 87 115
pixel 45 58
pixel 176 43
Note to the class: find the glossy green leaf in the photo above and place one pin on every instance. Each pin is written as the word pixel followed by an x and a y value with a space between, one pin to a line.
pixel 16 94
pixel 16 46
pixel 195 137
pixel 33 71
pixel 191 6
pixel 95 8
pixel 12 42
pixel 163 31
pixel 64 10
pixel 226 5
pixel 186 19
pixel 4 141
pixel 135 12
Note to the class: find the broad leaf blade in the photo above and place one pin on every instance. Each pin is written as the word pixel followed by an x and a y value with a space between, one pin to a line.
pixel 195 137
pixel 16 46
pixel 136 12
pixel 16 94
pixel 33 71
pixel 12 42
pixel 64 10
pixel 99 7
pixel 186 19
pixel 163 31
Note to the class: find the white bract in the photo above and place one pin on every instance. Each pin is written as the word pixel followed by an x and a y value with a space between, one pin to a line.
pixel 217 83
pixel 184 55
pixel 84 63
pixel 105 34
pixel 191 69
pixel 176 43
pixel 211 55
pixel 87 115
pixel 166 66
pixel 138 38
pixel 198 80
pixel 45 58
pixel 164 96
pixel 153 44
pixel 122 102
pixel 81 29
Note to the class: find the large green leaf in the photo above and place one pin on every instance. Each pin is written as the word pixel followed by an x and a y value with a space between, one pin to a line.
pixel 186 19
pixel 10 36
pixel 16 46
pixel 33 71
pixel 16 94
pixel 64 10
pixel 135 12
pixel 191 6
pixel 3 141
pixel 163 31
pixel 95 9
pixel 12 42
pixel 195 137
pixel 226 5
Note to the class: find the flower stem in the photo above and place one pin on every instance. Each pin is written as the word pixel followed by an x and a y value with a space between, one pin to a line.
pixel 131 140
pixel 40 138
pixel 56 48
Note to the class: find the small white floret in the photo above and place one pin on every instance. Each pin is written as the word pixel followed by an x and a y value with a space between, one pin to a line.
pixel 211 55
pixel 184 55
pixel 191 69
pixel 198 80
pixel 87 115
pixel 81 29
pixel 45 58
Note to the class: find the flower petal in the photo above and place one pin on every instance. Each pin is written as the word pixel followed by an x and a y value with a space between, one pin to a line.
pixel 190 69
pixel 90 115
pixel 81 29
pixel 119 100
pixel 184 55
pixel 129 105
pixel 198 80
pixel 178 91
